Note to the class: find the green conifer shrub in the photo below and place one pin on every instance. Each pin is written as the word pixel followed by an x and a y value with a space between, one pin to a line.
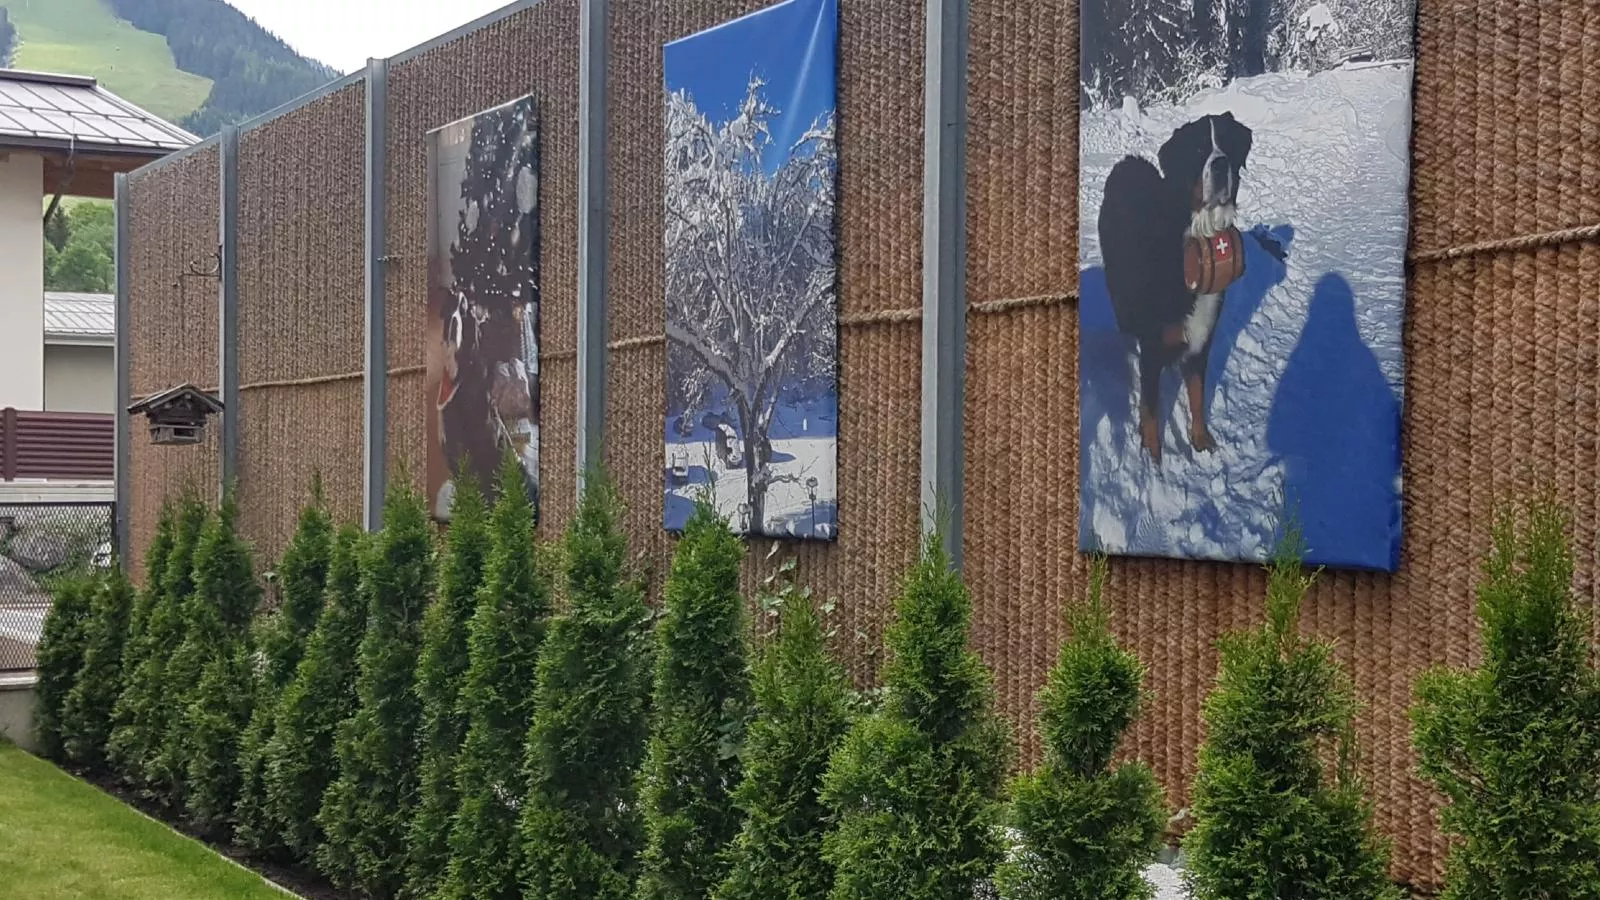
pixel 441 669
pixel 1086 829
pixel 299 755
pixel 144 602
pixel 87 713
pixel 199 629
pixel 58 657
pixel 506 637
pixel 1270 821
pixel 280 640
pixel 366 811
pixel 136 646
pixel 915 786
pixel 699 707
pixel 802 712
pixel 579 825
pixel 207 735
pixel 1514 744
pixel 144 709
pixel 217 718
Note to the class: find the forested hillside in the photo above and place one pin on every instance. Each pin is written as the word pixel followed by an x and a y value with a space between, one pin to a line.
pixel 8 36
pixel 251 70
pixel 200 63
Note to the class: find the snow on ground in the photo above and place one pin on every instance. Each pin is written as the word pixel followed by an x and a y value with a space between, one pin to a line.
pixel 803 448
pixel 1168 882
pixel 1326 185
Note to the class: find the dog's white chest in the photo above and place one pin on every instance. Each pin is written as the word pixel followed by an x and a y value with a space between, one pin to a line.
pixel 1201 321
pixel 1197 327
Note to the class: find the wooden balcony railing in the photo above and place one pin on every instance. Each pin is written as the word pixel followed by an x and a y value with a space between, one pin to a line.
pixel 58 445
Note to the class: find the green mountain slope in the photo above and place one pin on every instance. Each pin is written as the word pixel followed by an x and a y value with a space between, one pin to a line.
pixel 200 63
pixel 83 37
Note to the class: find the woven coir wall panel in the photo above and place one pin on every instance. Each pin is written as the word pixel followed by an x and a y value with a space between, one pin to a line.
pixel 1501 384
pixel 172 224
pixel 301 315
pixel 535 50
pixel 880 183
pixel 1511 83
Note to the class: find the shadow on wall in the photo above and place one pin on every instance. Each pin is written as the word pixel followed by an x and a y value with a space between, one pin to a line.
pixel 1335 424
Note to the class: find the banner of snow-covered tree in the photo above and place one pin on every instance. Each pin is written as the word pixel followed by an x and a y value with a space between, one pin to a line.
pixel 1243 177
pixel 751 277
pixel 483 300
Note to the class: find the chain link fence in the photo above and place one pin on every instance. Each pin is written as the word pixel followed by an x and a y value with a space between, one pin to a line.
pixel 40 545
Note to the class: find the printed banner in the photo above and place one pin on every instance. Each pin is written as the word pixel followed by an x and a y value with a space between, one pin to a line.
pixel 751 279
pixel 1243 212
pixel 483 300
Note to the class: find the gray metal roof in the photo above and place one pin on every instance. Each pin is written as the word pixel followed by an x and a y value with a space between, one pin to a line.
pixel 67 111
pixel 84 317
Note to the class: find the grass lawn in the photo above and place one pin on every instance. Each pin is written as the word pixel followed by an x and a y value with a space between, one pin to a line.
pixel 83 37
pixel 61 838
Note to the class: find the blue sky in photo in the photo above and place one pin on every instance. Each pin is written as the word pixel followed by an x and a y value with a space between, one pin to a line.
pixel 792 46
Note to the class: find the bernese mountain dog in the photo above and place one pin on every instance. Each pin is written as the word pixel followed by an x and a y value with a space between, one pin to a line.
pixel 1149 220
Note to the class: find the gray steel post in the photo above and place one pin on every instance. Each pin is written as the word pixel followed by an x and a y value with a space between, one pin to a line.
pixel 593 210
pixel 228 305
pixel 121 442
pixel 375 398
pixel 944 281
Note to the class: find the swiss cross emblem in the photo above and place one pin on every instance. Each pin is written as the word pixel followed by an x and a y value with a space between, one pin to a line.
pixel 1221 246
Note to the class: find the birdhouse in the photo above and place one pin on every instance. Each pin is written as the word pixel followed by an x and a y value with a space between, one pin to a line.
pixel 177 415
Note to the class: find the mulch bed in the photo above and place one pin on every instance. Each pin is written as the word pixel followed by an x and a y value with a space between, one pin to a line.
pixel 303 881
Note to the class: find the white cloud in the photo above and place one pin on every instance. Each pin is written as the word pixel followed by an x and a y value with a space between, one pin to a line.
pixel 345 33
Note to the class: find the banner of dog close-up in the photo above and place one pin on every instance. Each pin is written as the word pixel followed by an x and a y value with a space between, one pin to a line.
pixel 1243 217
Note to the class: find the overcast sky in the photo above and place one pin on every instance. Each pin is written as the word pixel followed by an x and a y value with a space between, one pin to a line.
pixel 344 33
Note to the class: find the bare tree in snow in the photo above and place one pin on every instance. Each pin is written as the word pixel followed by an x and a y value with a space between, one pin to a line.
pixel 750 268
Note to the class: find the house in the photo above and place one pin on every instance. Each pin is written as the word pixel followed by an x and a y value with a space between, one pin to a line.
pixel 80 364
pixel 60 135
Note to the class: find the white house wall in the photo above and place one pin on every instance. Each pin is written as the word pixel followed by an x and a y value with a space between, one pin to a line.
pixel 21 281
pixel 79 378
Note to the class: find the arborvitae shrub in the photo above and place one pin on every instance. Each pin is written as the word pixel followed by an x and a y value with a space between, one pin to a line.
pixel 87 714
pixel 136 647
pixel 366 811
pixel 224 603
pixel 802 711
pixel 701 699
pixel 915 786
pixel 216 719
pixel 144 709
pixel 1087 830
pixel 280 642
pixel 144 602
pixel 58 658
pixel 299 755
pixel 198 623
pixel 1270 822
pixel 580 827
pixel 440 670
pixel 507 635
pixel 1514 744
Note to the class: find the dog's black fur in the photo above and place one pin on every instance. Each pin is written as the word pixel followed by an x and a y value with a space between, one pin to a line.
pixel 1144 219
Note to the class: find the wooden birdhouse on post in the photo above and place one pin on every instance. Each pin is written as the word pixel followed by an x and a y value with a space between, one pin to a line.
pixel 177 415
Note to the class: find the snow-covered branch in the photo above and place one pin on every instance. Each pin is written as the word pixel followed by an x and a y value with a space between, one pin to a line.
pixel 749 246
